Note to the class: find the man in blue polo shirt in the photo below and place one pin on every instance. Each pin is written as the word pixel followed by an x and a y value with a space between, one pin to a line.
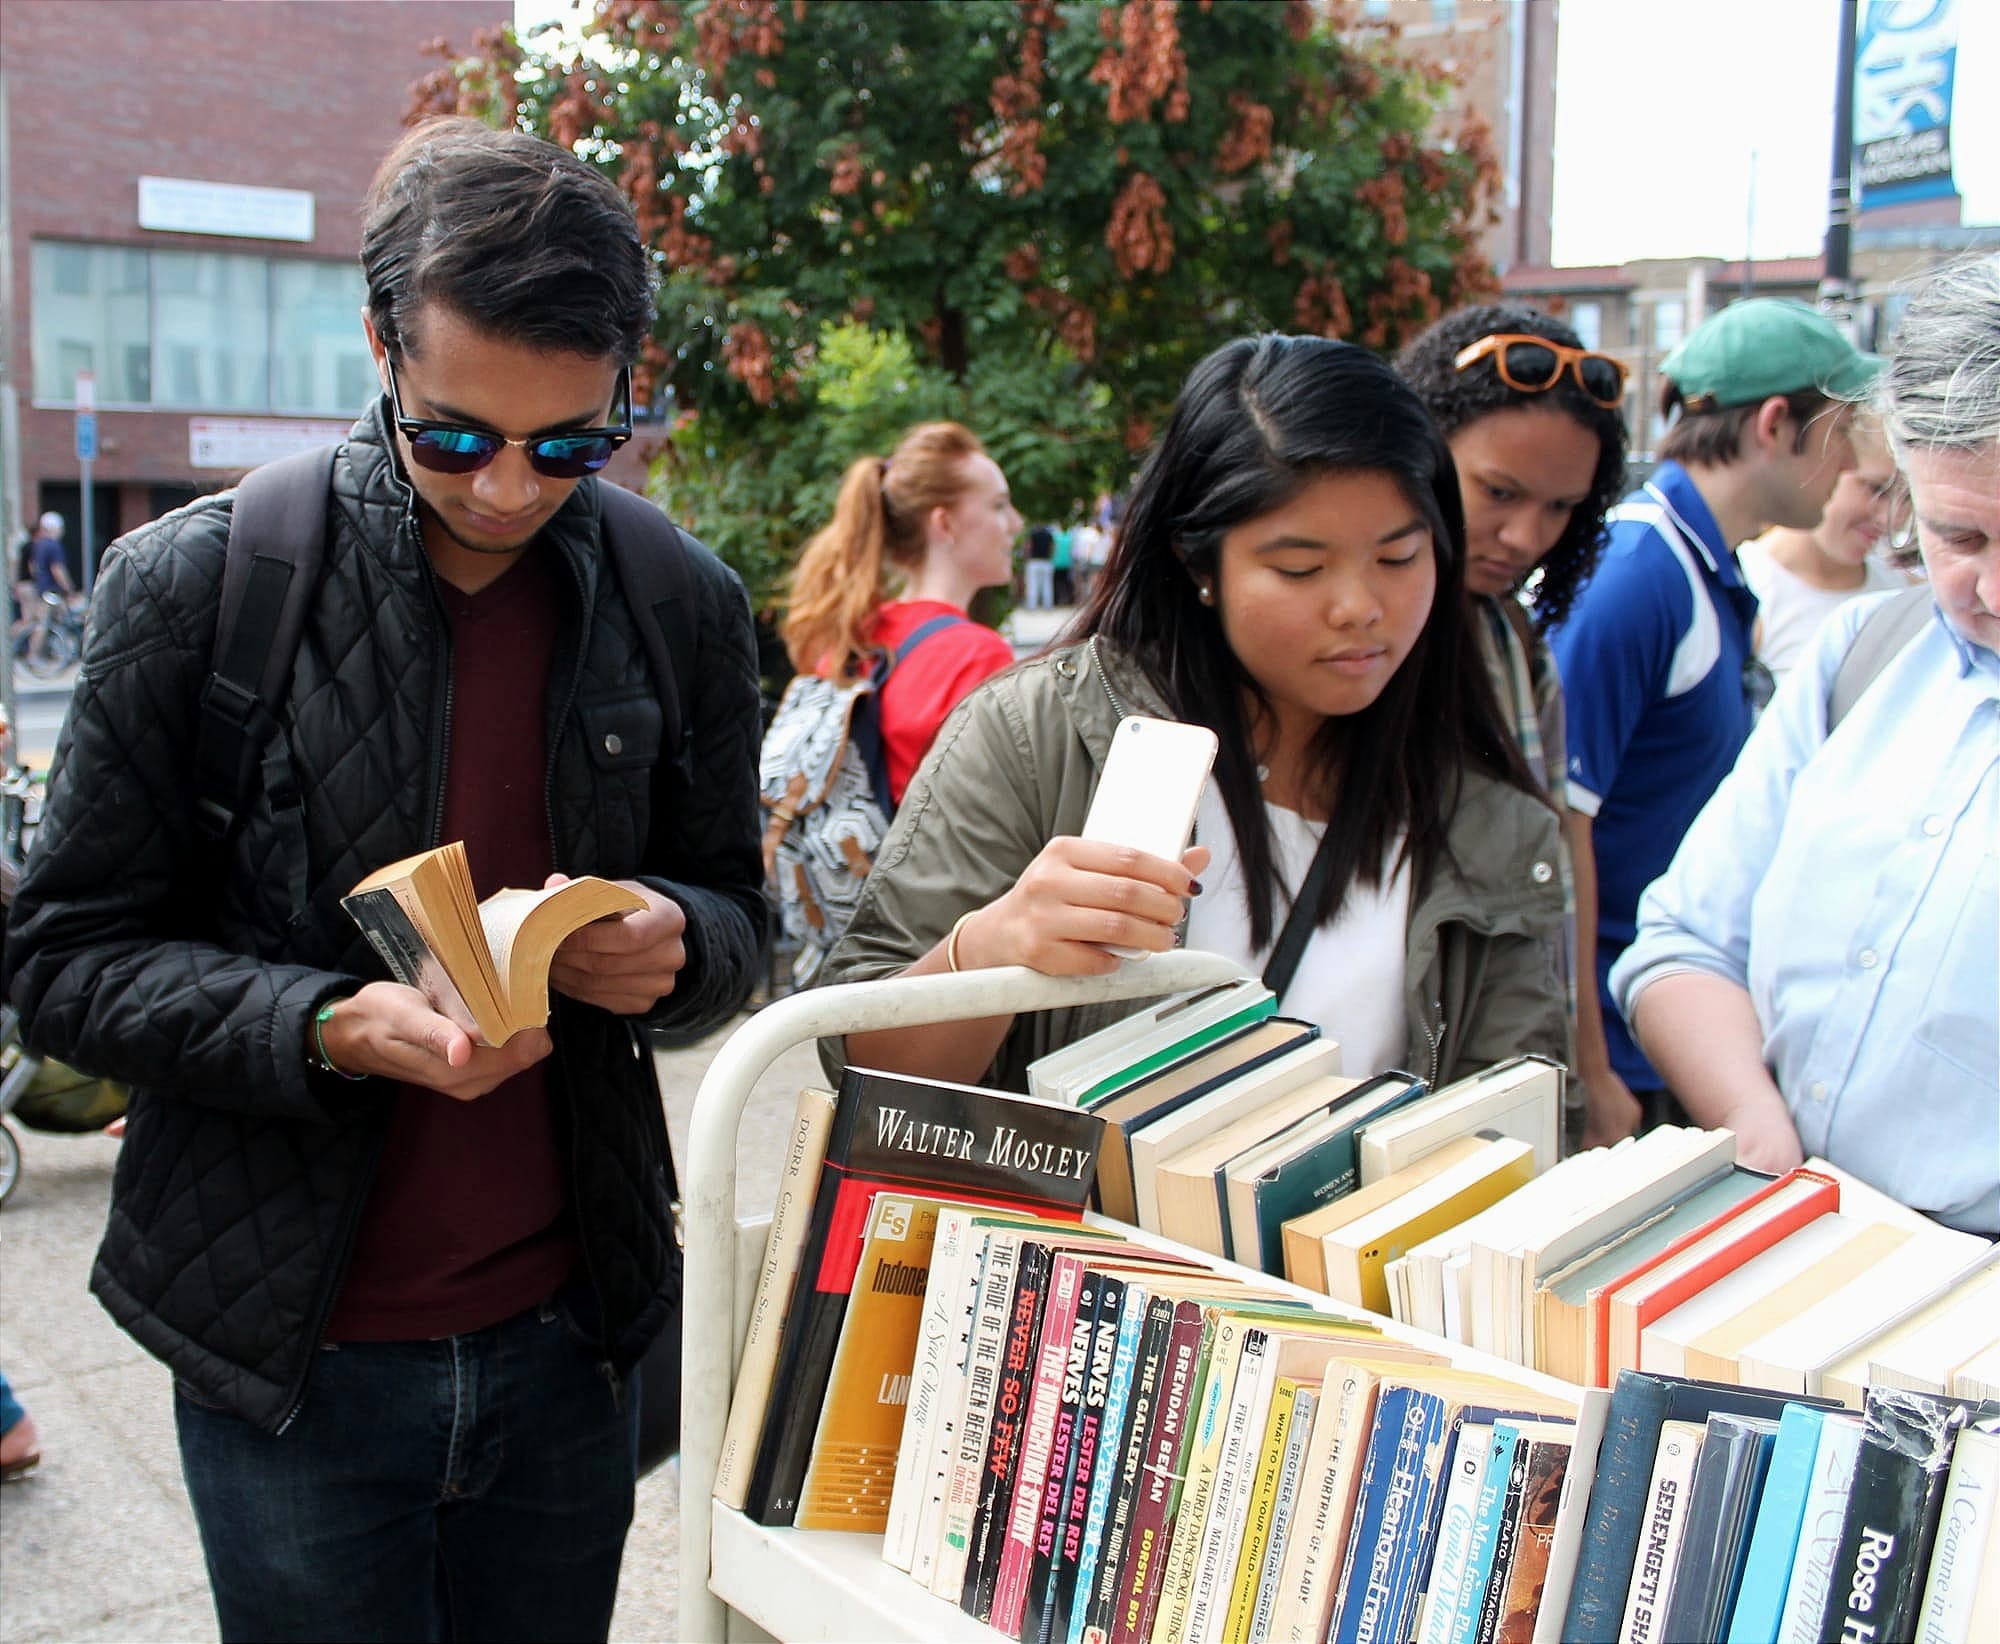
pixel 1656 652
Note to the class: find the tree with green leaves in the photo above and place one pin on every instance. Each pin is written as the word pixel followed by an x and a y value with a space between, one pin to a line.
pixel 1032 216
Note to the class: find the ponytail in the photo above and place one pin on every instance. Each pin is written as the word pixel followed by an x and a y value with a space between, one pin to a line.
pixel 876 534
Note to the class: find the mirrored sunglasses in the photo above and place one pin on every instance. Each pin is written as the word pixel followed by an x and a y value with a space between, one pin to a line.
pixel 1533 365
pixel 453 448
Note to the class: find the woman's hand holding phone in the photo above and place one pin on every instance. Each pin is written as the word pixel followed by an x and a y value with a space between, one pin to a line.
pixel 1075 901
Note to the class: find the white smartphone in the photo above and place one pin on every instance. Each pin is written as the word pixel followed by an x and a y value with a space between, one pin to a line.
pixel 1150 789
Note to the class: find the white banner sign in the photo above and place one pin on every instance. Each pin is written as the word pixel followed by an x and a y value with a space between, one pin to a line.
pixel 224 442
pixel 184 205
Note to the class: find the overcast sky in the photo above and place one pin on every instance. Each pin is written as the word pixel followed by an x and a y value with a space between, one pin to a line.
pixel 1661 103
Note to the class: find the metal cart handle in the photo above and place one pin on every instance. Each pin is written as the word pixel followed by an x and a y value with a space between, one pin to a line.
pixel 708 1179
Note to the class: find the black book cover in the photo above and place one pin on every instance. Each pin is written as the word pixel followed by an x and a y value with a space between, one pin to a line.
pixel 1640 1403
pixel 908 1136
pixel 1493 1602
pixel 1097 1293
pixel 1162 1474
pixel 1722 1505
pixel 1130 1460
pixel 1892 1512
pixel 1009 1420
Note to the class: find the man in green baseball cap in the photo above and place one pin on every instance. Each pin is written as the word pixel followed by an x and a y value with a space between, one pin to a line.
pixel 1657 653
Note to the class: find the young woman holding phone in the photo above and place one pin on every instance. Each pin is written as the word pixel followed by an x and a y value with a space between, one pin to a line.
pixel 1290 574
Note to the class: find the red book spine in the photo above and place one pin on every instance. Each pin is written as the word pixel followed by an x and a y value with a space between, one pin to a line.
pixel 1159 1483
pixel 1017 1555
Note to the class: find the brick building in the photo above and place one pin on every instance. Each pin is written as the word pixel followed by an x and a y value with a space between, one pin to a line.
pixel 182 188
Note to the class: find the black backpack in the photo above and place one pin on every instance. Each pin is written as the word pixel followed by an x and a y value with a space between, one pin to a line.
pixel 277 544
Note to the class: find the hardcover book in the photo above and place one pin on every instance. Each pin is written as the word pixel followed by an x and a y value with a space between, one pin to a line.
pixel 1098 1065
pixel 913 1136
pixel 1640 1404
pixel 1728 1478
pixel 1892 1511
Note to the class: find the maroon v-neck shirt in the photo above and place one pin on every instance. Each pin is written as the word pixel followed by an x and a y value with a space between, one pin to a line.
pixel 468 1219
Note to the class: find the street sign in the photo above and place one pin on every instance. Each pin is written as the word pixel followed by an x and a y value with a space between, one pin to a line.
pixel 86 436
pixel 86 391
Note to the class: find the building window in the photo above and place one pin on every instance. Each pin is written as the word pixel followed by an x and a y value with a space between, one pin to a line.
pixel 1445 13
pixel 1669 323
pixel 1587 321
pixel 1375 10
pixel 200 330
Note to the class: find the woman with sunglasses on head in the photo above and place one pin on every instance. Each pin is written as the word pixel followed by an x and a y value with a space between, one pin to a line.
pixel 913 537
pixel 1289 574
pixel 1532 418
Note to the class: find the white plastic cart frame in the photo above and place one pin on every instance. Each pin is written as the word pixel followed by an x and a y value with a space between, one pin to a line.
pixel 821 1585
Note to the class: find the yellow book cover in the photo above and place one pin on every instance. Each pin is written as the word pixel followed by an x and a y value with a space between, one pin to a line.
pixel 1263 1502
pixel 1327 1490
pixel 1204 1461
pixel 1305 1262
pixel 852 1472
pixel 1356 1254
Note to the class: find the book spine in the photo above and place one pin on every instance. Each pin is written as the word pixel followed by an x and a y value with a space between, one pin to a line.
pixel 1480 1558
pixel 1117 1196
pixel 1149 1366
pixel 1306 1585
pixel 1010 1410
pixel 1533 1539
pixel 1965 1530
pixel 1813 1563
pixel 811 1123
pixel 1506 1545
pixel 1120 1308
pixel 1214 1563
pixel 1024 1505
pixel 1386 1481
pixel 1291 1475
pixel 1065 1455
pixel 1727 1474
pixel 942 1462
pixel 1204 1459
pixel 1617 1507
pixel 1463 1473
pixel 1159 1491
pixel 1774 1533
pixel 982 1377
pixel 1269 1461
pixel 1892 1516
pixel 1666 1523
pixel 935 1333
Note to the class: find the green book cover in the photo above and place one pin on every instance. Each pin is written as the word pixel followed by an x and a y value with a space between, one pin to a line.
pixel 1178 1050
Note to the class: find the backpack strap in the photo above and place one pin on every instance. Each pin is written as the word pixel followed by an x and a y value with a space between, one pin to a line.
pixel 867 722
pixel 650 557
pixel 277 542
pixel 1877 642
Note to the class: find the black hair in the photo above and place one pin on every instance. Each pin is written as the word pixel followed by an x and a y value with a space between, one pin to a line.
pixel 1456 399
pixel 1258 420
pixel 519 237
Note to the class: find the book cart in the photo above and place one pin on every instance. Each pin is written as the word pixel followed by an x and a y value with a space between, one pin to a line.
pixel 741 1579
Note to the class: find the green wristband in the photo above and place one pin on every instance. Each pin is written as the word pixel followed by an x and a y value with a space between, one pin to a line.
pixel 319 1057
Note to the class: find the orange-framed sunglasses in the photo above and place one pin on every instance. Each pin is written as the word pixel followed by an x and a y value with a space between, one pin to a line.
pixel 1534 365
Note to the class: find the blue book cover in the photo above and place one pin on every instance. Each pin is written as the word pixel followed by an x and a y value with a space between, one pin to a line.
pixel 1124 1358
pixel 1486 1531
pixel 1409 1426
pixel 1774 1537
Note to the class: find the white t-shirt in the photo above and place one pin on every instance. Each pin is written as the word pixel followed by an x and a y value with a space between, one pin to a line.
pixel 1350 977
pixel 1790 609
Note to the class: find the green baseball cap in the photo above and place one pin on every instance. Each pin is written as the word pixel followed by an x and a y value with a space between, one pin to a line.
pixel 1763 346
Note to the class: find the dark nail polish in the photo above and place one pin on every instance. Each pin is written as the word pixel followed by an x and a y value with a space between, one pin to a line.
pixel 1194 887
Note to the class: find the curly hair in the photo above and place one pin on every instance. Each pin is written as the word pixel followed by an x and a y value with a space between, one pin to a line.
pixel 1456 399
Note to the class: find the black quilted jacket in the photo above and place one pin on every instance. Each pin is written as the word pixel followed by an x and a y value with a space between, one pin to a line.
pixel 136 952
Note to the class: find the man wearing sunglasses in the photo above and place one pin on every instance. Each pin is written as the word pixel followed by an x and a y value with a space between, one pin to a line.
pixel 1656 655
pixel 403 1278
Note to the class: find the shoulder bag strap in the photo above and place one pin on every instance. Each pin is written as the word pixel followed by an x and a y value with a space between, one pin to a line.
pixel 1301 922
pixel 1876 644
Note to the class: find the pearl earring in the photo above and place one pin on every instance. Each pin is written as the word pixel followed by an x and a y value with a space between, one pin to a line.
pixel 1206 593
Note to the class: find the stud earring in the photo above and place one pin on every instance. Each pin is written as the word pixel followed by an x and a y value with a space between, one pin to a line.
pixel 1205 592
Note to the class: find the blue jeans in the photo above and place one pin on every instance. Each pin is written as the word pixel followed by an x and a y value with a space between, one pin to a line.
pixel 472 1487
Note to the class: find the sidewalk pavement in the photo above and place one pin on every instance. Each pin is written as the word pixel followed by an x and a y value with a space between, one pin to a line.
pixel 100 1543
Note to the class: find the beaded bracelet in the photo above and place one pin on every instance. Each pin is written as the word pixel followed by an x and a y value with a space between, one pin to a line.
pixel 319 1057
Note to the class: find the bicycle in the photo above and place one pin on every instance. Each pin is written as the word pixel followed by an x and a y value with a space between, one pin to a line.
pixel 55 641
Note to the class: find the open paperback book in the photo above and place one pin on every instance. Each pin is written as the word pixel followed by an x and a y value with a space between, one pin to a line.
pixel 483 964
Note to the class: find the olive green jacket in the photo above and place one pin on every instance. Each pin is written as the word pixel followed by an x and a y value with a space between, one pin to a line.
pixel 1015 766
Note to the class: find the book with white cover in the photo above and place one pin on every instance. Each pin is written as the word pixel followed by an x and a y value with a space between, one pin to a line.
pixel 1790 1357
pixel 1205 1115
pixel 1923 1348
pixel 1964 1540
pixel 1663 1344
pixel 1665 1528
pixel 1979 1376
pixel 1449 1570
pixel 1065 1075
pixel 1423 1266
pixel 1519 1098
pixel 1572 1513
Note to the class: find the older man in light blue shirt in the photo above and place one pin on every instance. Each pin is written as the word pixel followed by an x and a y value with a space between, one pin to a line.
pixel 1819 969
